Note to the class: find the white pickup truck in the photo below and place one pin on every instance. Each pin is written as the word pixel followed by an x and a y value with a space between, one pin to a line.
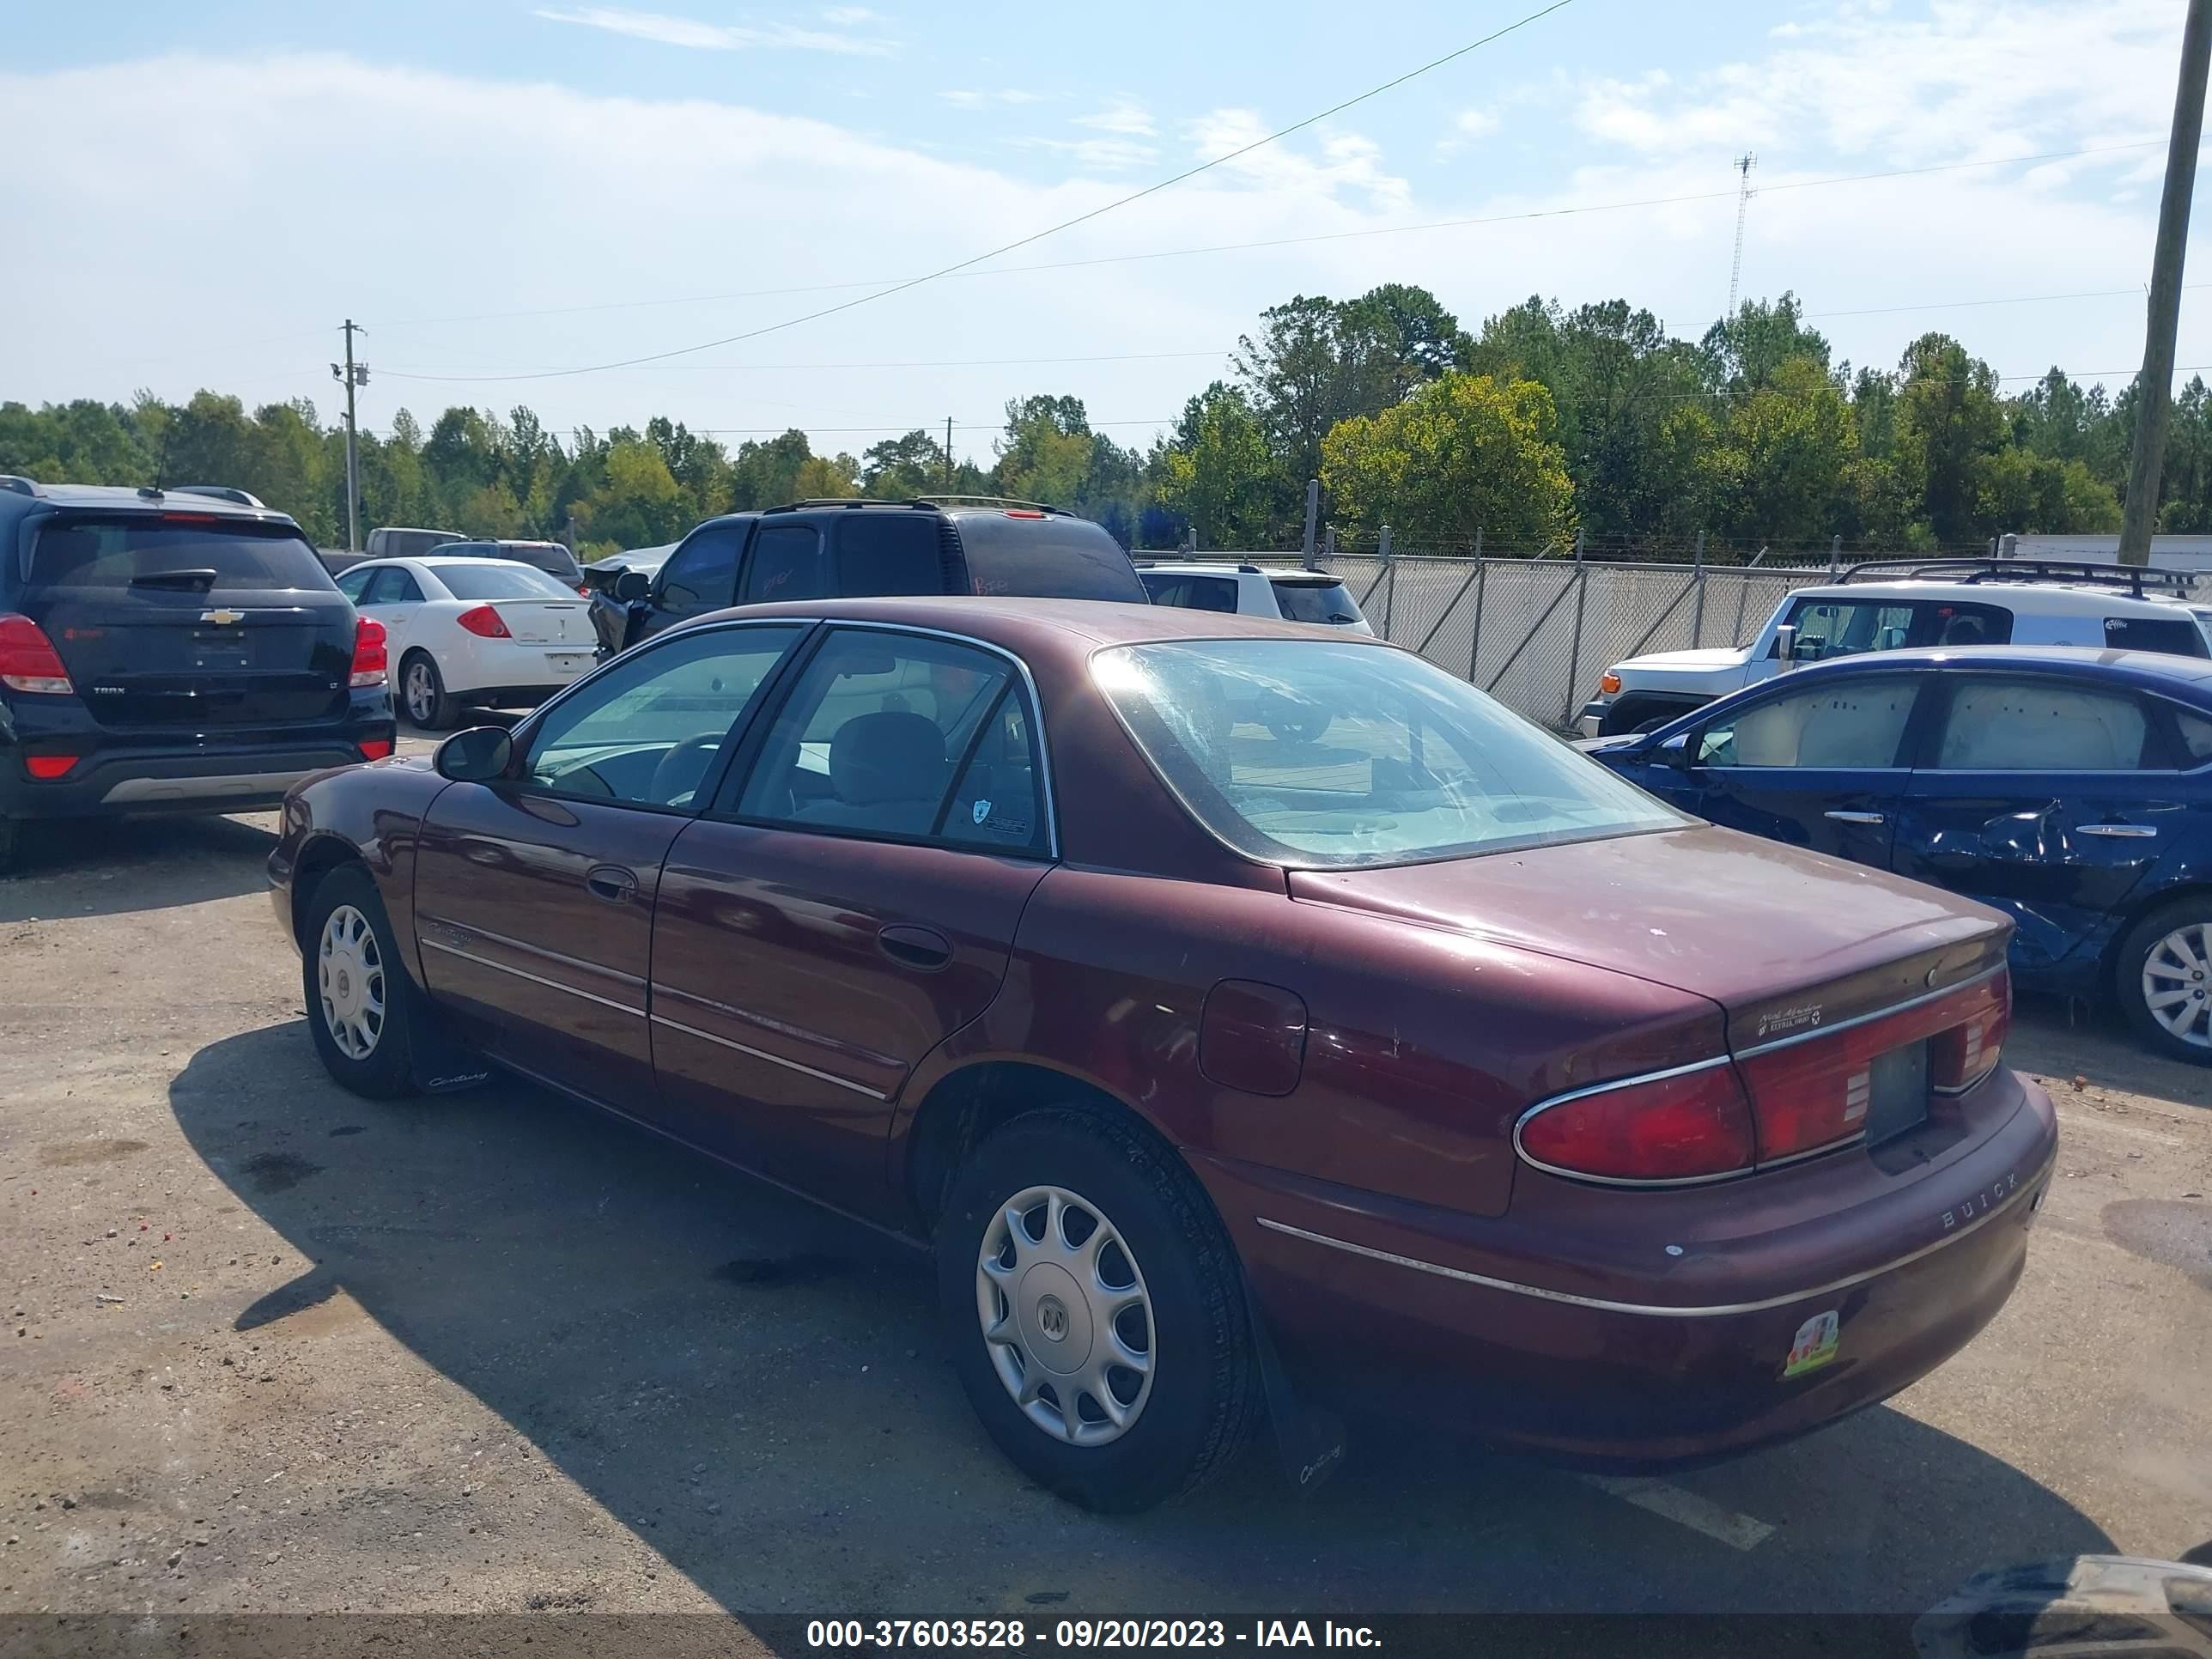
pixel 1921 602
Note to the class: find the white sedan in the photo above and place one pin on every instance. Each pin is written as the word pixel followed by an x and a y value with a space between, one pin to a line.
pixel 461 631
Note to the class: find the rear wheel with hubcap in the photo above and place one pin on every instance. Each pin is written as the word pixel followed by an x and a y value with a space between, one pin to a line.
pixel 422 692
pixel 2163 977
pixel 1096 1310
pixel 360 1004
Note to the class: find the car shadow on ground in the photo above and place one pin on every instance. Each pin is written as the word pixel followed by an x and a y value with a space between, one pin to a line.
pixel 106 866
pixel 2062 1040
pixel 758 1388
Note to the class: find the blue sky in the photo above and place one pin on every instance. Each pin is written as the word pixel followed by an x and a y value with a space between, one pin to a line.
pixel 637 179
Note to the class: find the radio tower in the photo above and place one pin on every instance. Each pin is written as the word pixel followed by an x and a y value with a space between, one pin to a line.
pixel 1744 164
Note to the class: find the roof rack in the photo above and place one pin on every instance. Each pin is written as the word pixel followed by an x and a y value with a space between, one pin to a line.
pixel 989 500
pixel 839 501
pixel 17 482
pixel 2133 577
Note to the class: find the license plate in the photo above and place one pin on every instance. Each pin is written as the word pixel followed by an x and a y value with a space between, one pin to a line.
pixel 568 662
pixel 1896 1085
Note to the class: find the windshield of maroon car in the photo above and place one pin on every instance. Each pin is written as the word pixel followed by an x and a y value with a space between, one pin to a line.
pixel 1318 753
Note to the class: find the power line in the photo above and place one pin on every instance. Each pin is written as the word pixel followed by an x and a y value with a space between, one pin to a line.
pixel 1065 224
pixel 891 284
pixel 970 362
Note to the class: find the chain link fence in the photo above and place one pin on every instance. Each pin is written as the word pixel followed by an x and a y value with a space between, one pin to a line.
pixel 1536 633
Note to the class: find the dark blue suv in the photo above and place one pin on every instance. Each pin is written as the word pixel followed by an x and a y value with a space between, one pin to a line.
pixel 2070 788
pixel 177 652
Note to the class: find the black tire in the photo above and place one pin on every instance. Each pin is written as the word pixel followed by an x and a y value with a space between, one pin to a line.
pixel 440 709
pixel 2134 955
pixel 1634 714
pixel 1203 1398
pixel 386 1071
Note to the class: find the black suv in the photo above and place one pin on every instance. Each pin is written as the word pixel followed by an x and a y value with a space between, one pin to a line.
pixel 171 654
pixel 851 549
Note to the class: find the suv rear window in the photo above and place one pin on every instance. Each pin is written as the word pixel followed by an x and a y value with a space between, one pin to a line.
pixel 2176 637
pixel 550 557
pixel 215 555
pixel 1052 556
pixel 1315 602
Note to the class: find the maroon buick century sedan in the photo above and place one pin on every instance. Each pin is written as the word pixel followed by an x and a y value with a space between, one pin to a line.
pixel 1222 1004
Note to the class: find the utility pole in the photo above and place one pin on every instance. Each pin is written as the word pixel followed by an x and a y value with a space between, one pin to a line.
pixel 1744 164
pixel 948 454
pixel 2154 390
pixel 353 374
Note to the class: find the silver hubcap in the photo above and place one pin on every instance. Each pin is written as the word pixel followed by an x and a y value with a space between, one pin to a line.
pixel 1066 1315
pixel 2176 987
pixel 420 699
pixel 350 975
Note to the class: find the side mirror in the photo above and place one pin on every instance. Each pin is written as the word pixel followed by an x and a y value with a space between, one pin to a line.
pixel 479 755
pixel 632 586
pixel 1674 752
pixel 1785 643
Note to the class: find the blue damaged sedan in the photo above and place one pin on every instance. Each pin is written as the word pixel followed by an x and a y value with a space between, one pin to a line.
pixel 2070 788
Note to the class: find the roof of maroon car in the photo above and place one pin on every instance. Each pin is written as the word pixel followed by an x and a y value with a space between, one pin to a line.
pixel 1014 623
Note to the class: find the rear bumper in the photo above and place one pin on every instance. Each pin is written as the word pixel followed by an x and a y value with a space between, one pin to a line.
pixel 1647 1360
pixel 121 782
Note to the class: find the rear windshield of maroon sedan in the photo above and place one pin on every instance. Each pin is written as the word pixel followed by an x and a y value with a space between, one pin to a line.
pixel 1322 753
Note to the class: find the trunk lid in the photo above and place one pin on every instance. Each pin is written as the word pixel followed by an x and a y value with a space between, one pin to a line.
pixel 167 619
pixel 1784 941
pixel 549 621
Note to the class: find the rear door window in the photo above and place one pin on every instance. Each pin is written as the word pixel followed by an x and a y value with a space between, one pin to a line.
pixel 1830 628
pixel 175 553
pixel 354 583
pixel 2043 726
pixel 1192 592
pixel 787 565
pixel 881 552
pixel 393 586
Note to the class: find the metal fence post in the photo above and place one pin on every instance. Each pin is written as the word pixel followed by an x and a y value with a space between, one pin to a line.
pixel 1390 576
pixel 1698 611
pixel 1575 649
pixel 1313 514
pixel 1835 554
pixel 1474 631
pixel 1329 544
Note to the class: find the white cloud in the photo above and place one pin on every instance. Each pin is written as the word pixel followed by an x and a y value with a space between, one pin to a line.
pixel 1348 164
pixel 1124 117
pixel 725 37
pixel 1970 78
pixel 851 17
pixel 1467 126
pixel 1097 154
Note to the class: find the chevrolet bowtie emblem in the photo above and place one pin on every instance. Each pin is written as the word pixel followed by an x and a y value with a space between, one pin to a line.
pixel 223 618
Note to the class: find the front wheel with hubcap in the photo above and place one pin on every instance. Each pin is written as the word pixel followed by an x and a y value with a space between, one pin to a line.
pixel 360 1004
pixel 422 691
pixel 2163 977
pixel 1096 1310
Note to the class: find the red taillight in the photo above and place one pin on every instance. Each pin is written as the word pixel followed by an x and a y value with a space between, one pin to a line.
pixel 583 590
pixel 1023 513
pixel 485 622
pixel 375 748
pixel 48 766
pixel 1968 1052
pixel 28 662
pixel 1813 1091
pixel 369 654
pixel 1684 1126
pixel 192 518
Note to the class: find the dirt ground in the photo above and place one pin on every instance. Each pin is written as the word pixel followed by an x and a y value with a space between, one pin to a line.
pixel 272 1347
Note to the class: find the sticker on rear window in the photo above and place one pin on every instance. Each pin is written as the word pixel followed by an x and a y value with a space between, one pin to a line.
pixel 1816 1344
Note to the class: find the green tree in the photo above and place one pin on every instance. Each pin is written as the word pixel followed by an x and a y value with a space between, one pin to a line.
pixel 1462 454
pixel 1218 474
pixel 1781 469
pixel 1046 451
pixel 1949 430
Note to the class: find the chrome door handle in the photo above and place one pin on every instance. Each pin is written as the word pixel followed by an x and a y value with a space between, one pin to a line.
pixel 1854 817
pixel 2117 831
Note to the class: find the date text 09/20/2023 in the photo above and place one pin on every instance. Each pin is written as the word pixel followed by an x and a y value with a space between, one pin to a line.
pixel 1084 1633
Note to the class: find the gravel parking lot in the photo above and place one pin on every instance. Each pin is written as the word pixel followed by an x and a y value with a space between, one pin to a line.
pixel 273 1347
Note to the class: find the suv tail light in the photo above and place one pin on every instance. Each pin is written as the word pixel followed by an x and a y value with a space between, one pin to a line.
pixel 1800 1096
pixel 1689 1125
pixel 485 622
pixel 49 766
pixel 369 653
pixel 375 748
pixel 28 662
